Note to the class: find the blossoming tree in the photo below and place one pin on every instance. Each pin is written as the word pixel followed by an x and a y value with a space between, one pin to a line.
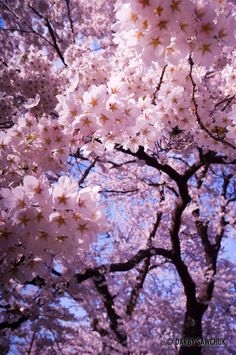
pixel 118 190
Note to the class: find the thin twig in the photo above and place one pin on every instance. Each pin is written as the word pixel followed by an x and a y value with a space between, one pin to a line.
pixel 216 138
pixel 70 18
pixel 51 32
pixel 159 85
pixel 31 343
pixel 87 171
pixel 120 191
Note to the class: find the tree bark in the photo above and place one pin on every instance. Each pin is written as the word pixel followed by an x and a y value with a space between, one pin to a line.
pixel 192 331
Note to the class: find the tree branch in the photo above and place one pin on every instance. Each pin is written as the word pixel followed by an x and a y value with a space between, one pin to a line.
pixel 151 161
pixel 13 325
pixel 102 288
pixel 216 138
pixel 51 32
pixel 120 191
pixel 159 85
pixel 70 18
pixel 125 266
pixel 87 171
pixel 144 270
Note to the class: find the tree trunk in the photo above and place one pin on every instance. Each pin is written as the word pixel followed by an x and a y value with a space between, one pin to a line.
pixel 190 343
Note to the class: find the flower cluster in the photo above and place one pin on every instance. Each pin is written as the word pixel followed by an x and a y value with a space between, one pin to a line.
pixel 148 93
pixel 91 68
pixel 228 84
pixel 40 222
pixel 169 31
pixel 32 146
pixel 129 111
pixel 35 75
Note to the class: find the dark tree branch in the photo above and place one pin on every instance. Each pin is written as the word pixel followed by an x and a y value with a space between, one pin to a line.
pixel 53 36
pixel 175 226
pixel 31 343
pixel 116 165
pixel 138 286
pixel 151 161
pixel 70 18
pixel 211 250
pixel 226 100
pixel 155 184
pixel 125 266
pixel 87 171
pixel 13 325
pixel 120 191
pixel 167 169
pixel 222 222
pixel 181 181
pixel 20 30
pixel 6 125
pixel 4 63
pixel 102 288
pixel 51 32
pixel 154 96
pixel 203 127
pixel 144 270
pixel 187 281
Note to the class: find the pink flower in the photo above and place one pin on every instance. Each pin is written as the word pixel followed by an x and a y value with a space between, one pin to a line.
pixel 15 198
pixel 60 223
pixel 38 188
pixel 94 98
pixel 226 30
pixel 86 123
pixel 25 219
pixel 69 107
pixel 205 52
pixel 87 201
pixel 64 193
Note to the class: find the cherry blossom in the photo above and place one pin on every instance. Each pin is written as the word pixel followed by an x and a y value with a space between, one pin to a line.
pixel 117 173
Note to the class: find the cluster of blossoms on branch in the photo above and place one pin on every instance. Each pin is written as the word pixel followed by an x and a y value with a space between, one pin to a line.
pixel 134 107
pixel 144 107
pixel 40 220
pixel 44 31
pixel 27 75
pixel 32 146
pixel 116 113
pixel 169 31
